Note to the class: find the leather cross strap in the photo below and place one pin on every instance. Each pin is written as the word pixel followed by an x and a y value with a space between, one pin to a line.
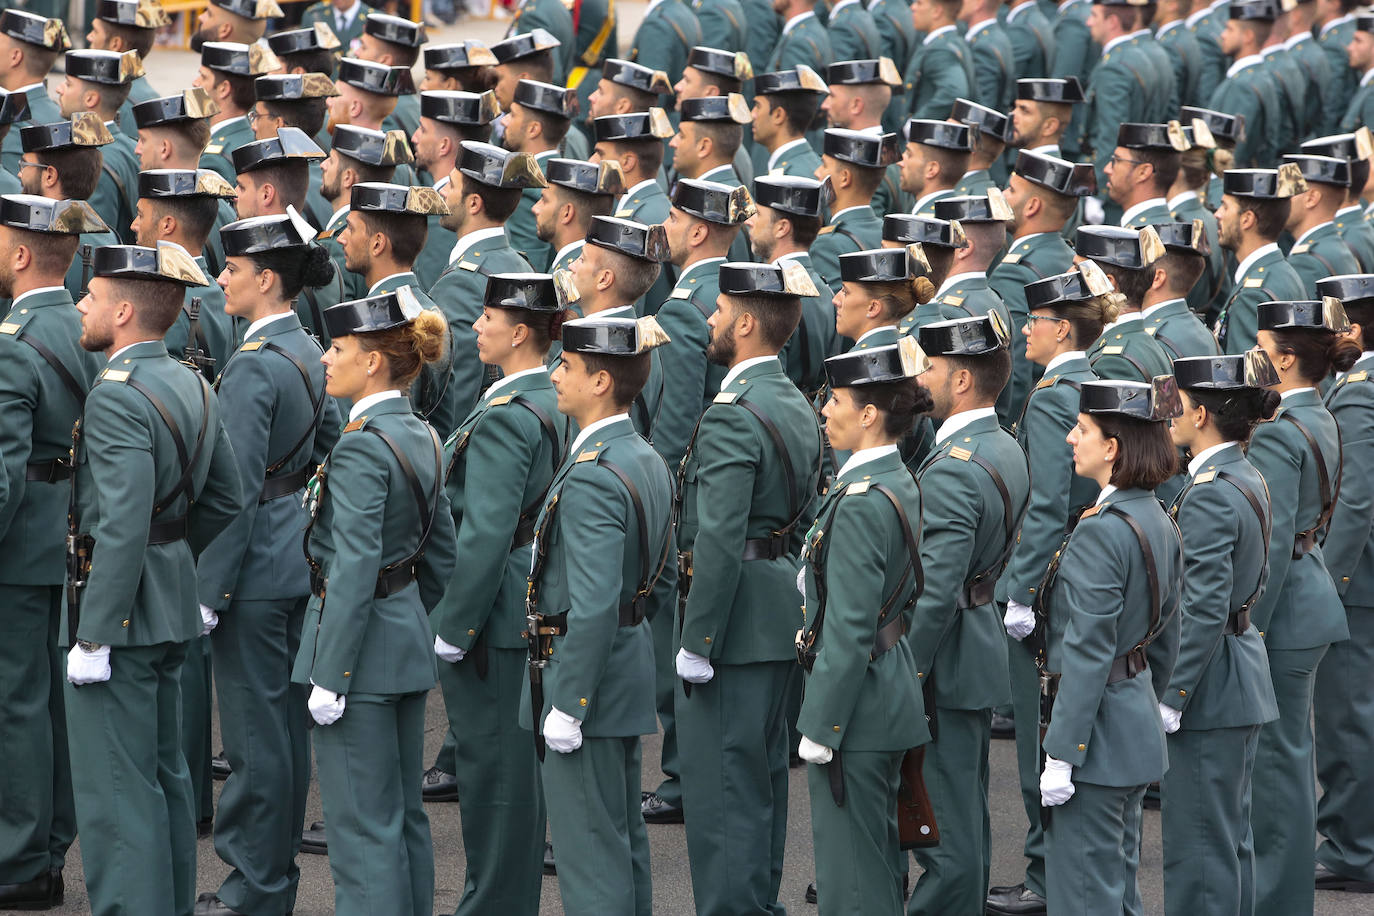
pixel 49 357
pixel 1134 661
pixel 980 589
pixel 796 506
pixel 632 612
pixel 274 487
pixel 188 464
pixel 395 576
pixel 1304 541
pixel 1265 525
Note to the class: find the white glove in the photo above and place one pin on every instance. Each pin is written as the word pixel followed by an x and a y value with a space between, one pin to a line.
pixel 1019 620
pixel 208 620
pixel 1056 782
pixel 1094 213
pixel 812 752
pixel 562 732
pixel 693 668
pixel 448 651
pixel 1171 717
pixel 88 667
pixel 326 706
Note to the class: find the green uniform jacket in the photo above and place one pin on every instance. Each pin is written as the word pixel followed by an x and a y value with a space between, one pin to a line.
pixel 814 339
pixel 214 245
pixel 225 137
pixel 1162 96
pixel 723 24
pixel 1358 234
pixel 852 229
pixel 75 272
pixel 216 330
pixel 428 395
pixel 1221 681
pixel 1360 109
pixel 267 410
pixel 1100 608
pixel 1186 56
pixel 1157 212
pixel 1212 63
pixel 662 41
pixel 1252 94
pixel 555 18
pixel 1075 54
pixel 116 191
pixel 1268 277
pixel 964 533
pixel 646 203
pixel 597 38
pixel 1321 87
pixel 406 116
pixel 1290 87
pixel 974 184
pixel 601 672
pixel 994 67
pixel 1029 258
pixel 1299 608
pixel 695 381
pixel 37 411
pixel 324 12
pixel 458 293
pixel 1321 253
pixel 141 594
pixel 764 29
pixel 1126 351
pixel 42 110
pixel 1349 545
pixel 352 285
pixel 1334 39
pixel 889 197
pixel 434 256
pixel 969 297
pixel 940 71
pixel 854 33
pixel 898 35
pixel 1032 41
pixel 795 158
pixel 734 488
pixel 520 227
pixel 852 702
pixel 1179 332
pixel 1056 492
pixel 500 462
pixel 140 90
pixel 367 516
pixel 1122 89
pixel 1215 283
pixel 807 43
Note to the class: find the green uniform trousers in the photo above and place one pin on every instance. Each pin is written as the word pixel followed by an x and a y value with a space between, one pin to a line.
pixel 369 765
pixel 856 846
pixel 1285 821
pixel 263 718
pixel 1345 748
pixel 593 797
pixel 1209 854
pixel 661 627
pixel 498 782
pixel 37 821
pixel 1025 704
pixel 956 775
pixel 133 794
pixel 1092 852
pixel 733 736
pixel 197 701
pixel 445 760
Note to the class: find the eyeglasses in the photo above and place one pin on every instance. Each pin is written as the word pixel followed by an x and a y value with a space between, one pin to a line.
pixel 1031 319
pixel 1115 159
pixel 23 164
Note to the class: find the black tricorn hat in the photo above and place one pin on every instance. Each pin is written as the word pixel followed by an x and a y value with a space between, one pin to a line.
pixel 1163 137
pixel 635 125
pixel 546 97
pixel 108 68
pixel 1353 146
pixel 372 314
pixel 532 291
pixel 1130 249
pixel 379 79
pixel 1364 23
pixel 1322 169
pixel 877 365
pixel 987 121
pixel 85 129
pixel 991 207
pixel 604 177
pixel 1154 401
pixel 499 168
pixel 292 87
pixel 713 201
pixel 1058 175
pixel 884 265
pixel 526 44
pixel 382 197
pixel 636 76
pixel 237 59
pixel 1189 238
pixel 134 14
pixel 394 30
pixel 1325 314
pixel 14 107
pixel 33 29
pixel 1067 91
pixel 372 147
pixel 319 37
pixel 452 106
pixel 729 64
pixel 1251 369
pixel 289 143
pixel 923 230
pixel 976 336
pixel 1264 184
pixel 942 134
pixel 800 78
pixel 871 71
pixel 1261 10
pixel 612 336
pixel 647 243
pixel 730 108
pixel 786 280
pixel 1086 281
pixel 51 217
pixel 251 9
pixel 189 105
pixel 156 183
pixel 266 233
pixel 461 55
pixel 1228 127
pixel 793 194
pixel 168 261
pixel 1351 289
pixel 866 150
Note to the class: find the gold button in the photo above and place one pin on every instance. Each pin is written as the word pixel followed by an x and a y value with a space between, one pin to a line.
pixel 127 361
pixel 1082 747
pixel 226 595
pixel 472 632
pixel 125 624
pixel 583 701
pixel 23 311
pixel 837 728
pixel 1183 693
pixel 348 674
pixel 708 640
pixel 1345 579
pixel 1032 591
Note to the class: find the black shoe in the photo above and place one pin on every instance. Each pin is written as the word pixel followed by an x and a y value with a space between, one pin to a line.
pixel 1151 802
pixel 211 905
pixel 811 892
pixel 313 840
pixel 1003 726
pixel 549 867
pixel 205 827
pixel 56 888
pixel 1015 900
pixel 438 786
pixel 219 766
pixel 658 811
pixel 35 894
pixel 1327 880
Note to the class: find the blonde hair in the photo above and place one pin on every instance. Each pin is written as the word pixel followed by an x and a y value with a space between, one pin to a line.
pixel 410 347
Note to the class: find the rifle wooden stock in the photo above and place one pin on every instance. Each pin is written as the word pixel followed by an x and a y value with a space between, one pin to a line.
pixel 916 827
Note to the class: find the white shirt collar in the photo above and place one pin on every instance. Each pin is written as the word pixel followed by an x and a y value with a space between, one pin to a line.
pixel 1063 358
pixel 737 369
pixel 1146 313
pixel 1243 64
pixel 1294 40
pixel 1023 238
pixel 835 218
pixel 227 121
pixel 1141 207
pixel 1194 18
pixel 1285 395
pixel 1202 457
pixel 361 407
pixel 577 244
pixel 1168 27
pixel 959 278
pixel 1339 20
pixel 1107 491
pixel 1302 238
pixel 1122 319
pixel 1252 257
pixel 961 419
pixel 1106 48
pixel 616 311
pixel 864 456
pixel 115 354
pixel 399 273
pixel 1186 196
pixel 505 380
pixel 1271 50
pixel 937 33
pixel 793 22
pixel 1049 149
pixel 790 256
pixel 695 264
pixel 1368 75
pixel 652 3
pixel 1353 208
pixel 834 10
pixel 24 90
pixel 635 190
pixel 790 144
pixel 33 292
pixel 441 183
pixel 978 27
pixel 871 331
pixel 1013 12
pixel 591 428
pixel 338 216
pixel 263 322
pixel 461 247
pixel 926 198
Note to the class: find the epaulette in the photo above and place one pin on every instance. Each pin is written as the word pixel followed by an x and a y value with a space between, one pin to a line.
pixel 725 397
pixel 10 327
pixel 962 454
pixel 1113 351
pixel 589 455
pixel 115 375
pixel 1090 512
pixel 1253 283
pixel 1205 477
pixel 856 488
pixel 1046 382
pixel 952 300
pixel 679 293
pixel 253 345
pixel 214 149
pixel 356 425
pixel 1299 249
pixel 1360 376
pixel 826 230
pixel 326 234
pixel 466 265
pixel 1011 259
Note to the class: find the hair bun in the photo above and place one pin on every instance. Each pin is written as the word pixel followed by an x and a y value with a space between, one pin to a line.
pixel 922 289
pixel 429 335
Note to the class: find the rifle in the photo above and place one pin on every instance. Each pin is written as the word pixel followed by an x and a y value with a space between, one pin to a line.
pixel 79 547
pixel 1038 645
pixel 193 354
pixel 916 827
pixel 87 269
pixel 538 635
pixel 684 587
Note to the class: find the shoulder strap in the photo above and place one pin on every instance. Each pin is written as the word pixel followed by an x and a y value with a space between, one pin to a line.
pixel 188 464
pixel 317 407
pixel 849 235
pixel 984 579
pixel 796 505
pixel 1171 348
pixel 1157 621
pixel 1144 376
pixel 49 357
pixel 1328 497
pixel 1265 524
pixel 428 512
pixel 633 612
